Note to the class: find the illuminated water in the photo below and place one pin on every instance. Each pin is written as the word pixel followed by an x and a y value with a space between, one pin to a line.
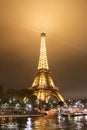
pixel 47 123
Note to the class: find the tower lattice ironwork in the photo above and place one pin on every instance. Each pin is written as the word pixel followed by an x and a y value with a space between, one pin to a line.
pixel 43 86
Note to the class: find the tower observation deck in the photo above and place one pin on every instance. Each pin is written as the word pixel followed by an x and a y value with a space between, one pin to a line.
pixel 43 87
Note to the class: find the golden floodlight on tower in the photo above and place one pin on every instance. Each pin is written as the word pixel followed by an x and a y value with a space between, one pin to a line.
pixel 43 87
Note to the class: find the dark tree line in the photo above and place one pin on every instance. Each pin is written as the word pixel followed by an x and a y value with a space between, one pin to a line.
pixel 13 93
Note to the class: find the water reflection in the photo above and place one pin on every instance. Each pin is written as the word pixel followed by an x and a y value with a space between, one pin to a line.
pixel 44 123
pixel 80 122
pixel 28 124
pixel 8 123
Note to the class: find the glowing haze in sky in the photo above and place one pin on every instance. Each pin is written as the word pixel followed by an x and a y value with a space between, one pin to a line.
pixel 65 22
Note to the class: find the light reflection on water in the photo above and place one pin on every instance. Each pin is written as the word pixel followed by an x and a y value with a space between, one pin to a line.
pixel 48 123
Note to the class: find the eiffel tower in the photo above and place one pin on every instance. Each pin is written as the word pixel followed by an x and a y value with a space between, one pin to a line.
pixel 43 86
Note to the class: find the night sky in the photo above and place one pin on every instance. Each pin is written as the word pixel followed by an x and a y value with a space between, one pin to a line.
pixel 65 23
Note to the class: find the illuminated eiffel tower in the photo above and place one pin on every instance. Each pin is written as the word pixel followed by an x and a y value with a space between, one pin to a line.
pixel 43 86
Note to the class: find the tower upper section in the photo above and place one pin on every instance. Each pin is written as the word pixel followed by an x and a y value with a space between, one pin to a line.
pixel 43 63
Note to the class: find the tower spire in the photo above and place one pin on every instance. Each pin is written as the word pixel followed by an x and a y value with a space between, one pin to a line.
pixel 43 63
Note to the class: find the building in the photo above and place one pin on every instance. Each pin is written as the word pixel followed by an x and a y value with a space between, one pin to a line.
pixel 43 87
